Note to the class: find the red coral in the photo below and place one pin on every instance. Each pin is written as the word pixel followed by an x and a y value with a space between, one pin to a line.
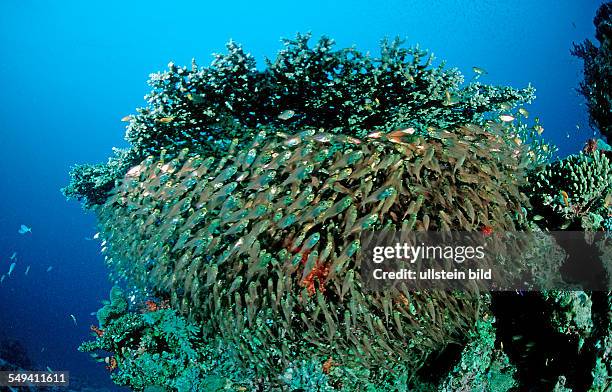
pixel 487 231
pixel 319 272
pixel 151 306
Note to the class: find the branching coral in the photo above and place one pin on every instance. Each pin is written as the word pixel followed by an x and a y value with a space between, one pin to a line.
pixel 339 91
pixel 482 367
pixel 573 193
pixel 91 183
pixel 597 84
pixel 160 349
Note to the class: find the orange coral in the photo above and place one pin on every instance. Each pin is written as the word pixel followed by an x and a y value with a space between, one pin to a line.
pixel 487 230
pixel 320 272
pixel 327 365
pixel 151 306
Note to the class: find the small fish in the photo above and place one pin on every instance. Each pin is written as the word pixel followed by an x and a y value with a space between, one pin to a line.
pixel 49 268
pixel 2 278
pixel 524 112
pixel 517 140
pixel 479 71
pixel 397 135
pixel 49 369
pixel 27 270
pixel 286 115
pixel 608 200
pixel 73 319
pixel 11 268
pixel 165 120
pixel 126 118
pixel 13 256
pixel 565 197
pixel 196 98
pixel 96 236
pixel 506 118
pixel 449 99
pixel 23 229
pixel 538 128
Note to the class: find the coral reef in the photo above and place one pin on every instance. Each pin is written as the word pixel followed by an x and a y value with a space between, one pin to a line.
pixel 246 246
pixel 243 196
pixel 573 193
pixel 482 367
pixel 597 84
pixel 339 91
pixel 159 349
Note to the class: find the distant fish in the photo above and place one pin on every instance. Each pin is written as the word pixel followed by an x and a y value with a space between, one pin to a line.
pixel 73 319
pixel 286 115
pixel 11 268
pixel 13 255
pixel 506 118
pixel 49 268
pixel 88 238
pixel 2 278
pixel 479 71
pixel 24 229
pixel 126 118
pixel 49 369
pixel 165 120
pixel 196 98
pixel 523 112
pixel 95 237
pixel 27 270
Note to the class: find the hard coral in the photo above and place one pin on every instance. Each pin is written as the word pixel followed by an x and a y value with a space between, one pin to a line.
pixel 597 84
pixel 575 192
pixel 340 91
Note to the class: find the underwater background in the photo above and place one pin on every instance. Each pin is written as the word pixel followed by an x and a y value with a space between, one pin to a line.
pixel 70 71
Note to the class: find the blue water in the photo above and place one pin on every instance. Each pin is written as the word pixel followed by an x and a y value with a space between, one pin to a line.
pixel 69 71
